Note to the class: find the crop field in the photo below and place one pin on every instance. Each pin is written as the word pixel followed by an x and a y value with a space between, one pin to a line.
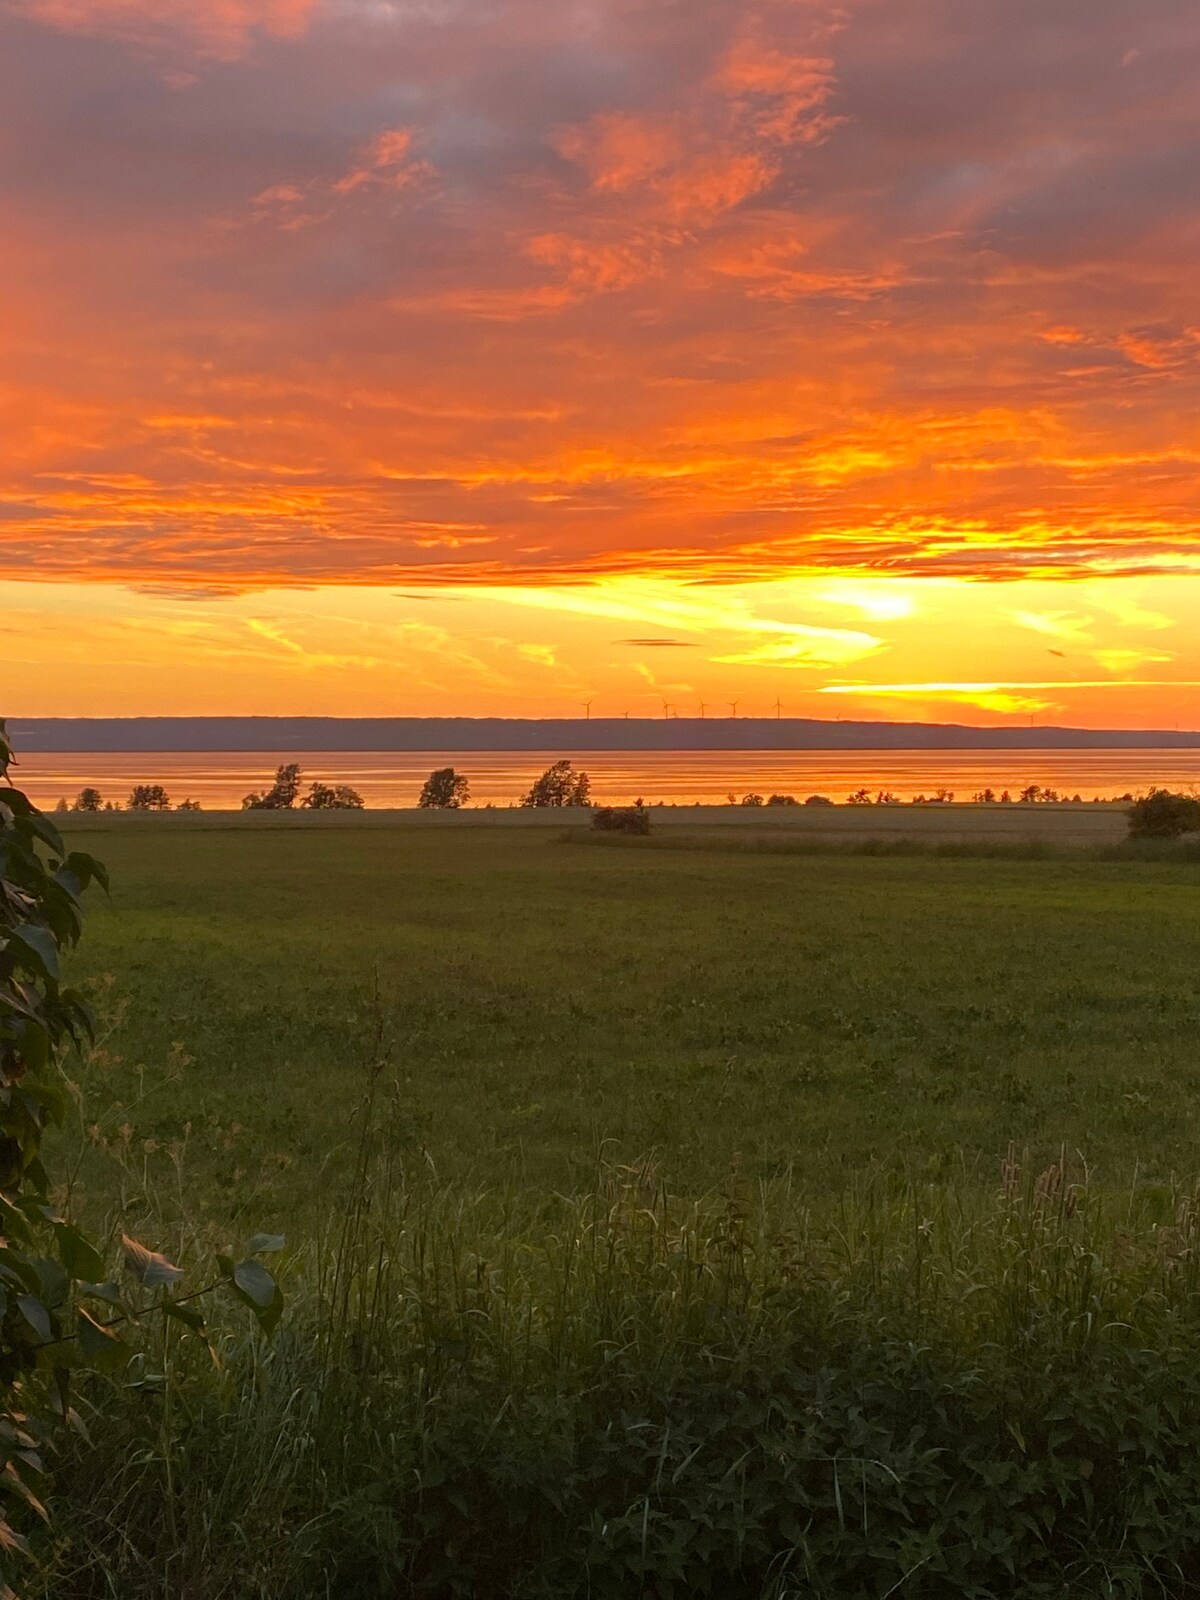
pixel 542 1007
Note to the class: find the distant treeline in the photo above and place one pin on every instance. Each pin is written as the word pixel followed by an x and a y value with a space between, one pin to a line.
pixel 446 789
pixel 282 795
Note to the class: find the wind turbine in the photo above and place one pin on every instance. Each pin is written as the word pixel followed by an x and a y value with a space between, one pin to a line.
pixel 733 705
pixel 703 709
pixel 666 711
pixel 778 709
pixel 587 709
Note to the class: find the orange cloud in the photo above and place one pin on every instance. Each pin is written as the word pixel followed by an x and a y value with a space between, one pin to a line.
pixel 450 294
pixel 220 28
pixel 777 92
pixel 619 151
pixel 388 160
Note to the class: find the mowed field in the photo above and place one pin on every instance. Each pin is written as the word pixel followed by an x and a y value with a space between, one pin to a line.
pixel 546 1004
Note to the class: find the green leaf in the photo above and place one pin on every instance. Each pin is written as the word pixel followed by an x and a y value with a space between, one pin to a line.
pixel 36 948
pixel 42 827
pixel 152 1270
pixel 108 1292
pixel 79 1255
pixel 269 1316
pixel 50 1095
pixel 253 1279
pixel 255 1286
pixel 186 1314
pixel 87 869
pixel 98 1344
pixel 265 1243
pixel 36 1315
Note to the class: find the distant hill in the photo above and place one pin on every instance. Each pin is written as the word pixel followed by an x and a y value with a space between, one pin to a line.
pixel 565 734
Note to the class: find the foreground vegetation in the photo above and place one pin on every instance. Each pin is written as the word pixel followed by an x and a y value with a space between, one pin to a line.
pixel 922 1390
pixel 655 1226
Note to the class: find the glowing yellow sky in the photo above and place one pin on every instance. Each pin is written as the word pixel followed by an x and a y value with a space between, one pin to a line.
pixel 366 356
pixel 1099 652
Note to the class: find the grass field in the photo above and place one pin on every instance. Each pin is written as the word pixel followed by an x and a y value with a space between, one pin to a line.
pixel 682 1258
pixel 708 1007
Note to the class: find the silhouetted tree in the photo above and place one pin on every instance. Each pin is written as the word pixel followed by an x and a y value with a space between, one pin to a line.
pixel 332 797
pixel 782 800
pixel 752 800
pixel 559 785
pixel 860 797
pixel 149 797
pixel 283 793
pixel 445 790
pixel 188 805
pixel 87 800
pixel 1164 815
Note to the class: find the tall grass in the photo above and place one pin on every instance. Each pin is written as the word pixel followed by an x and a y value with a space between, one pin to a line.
pixel 918 1391
pixel 726 841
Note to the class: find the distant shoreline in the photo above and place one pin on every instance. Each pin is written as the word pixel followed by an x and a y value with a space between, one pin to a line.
pixel 54 735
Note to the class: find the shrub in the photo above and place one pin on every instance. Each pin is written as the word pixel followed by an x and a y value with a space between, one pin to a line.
pixel 1162 814
pixel 782 800
pixel 149 797
pixel 445 790
pixel 622 819
pixel 818 800
pixel 559 785
pixel 332 797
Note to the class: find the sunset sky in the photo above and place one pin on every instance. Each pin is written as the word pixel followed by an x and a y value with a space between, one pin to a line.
pixel 492 356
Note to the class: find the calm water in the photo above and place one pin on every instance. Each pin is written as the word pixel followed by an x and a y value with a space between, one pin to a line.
pixel 219 780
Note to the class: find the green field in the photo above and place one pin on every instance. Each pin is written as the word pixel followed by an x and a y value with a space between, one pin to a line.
pixel 677 1256
pixel 546 1005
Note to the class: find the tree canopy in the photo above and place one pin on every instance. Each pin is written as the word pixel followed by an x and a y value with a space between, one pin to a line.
pixel 445 790
pixel 332 797
pixel 560 785
pixel 283 793
pixel 149 797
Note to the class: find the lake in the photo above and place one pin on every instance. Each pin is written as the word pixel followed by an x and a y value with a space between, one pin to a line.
pixel 393 778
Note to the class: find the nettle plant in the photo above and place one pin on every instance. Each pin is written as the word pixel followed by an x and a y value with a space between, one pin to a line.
pixel 59 1309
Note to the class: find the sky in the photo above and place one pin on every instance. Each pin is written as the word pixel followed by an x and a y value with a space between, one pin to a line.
pixel 506 356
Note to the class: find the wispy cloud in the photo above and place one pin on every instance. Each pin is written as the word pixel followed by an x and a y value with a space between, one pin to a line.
pixel 661 644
